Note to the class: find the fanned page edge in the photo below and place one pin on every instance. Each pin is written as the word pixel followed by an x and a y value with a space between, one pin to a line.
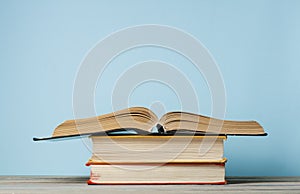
pixel 233 132
pixel 162 130
pixel 150 115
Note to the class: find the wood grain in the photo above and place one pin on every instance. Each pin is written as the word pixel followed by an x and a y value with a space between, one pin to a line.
pixel 77 184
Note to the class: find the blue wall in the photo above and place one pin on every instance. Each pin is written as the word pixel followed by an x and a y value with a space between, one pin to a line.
pixel 255 43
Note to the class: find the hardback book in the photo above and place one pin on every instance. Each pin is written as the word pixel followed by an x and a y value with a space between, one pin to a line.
pixel 141 121
pixel 156 149
pixel 151 173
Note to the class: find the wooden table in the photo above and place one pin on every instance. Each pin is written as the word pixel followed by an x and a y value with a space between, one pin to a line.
pixel 74 185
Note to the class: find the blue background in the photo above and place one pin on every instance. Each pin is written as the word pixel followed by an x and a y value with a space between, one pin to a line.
pixel 255 43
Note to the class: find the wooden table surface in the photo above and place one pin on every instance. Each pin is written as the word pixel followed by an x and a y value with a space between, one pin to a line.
pixel 74 185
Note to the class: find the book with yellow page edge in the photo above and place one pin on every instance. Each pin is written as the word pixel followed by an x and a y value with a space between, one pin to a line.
pixel 185 172
pixel 140 121
pixel 156 149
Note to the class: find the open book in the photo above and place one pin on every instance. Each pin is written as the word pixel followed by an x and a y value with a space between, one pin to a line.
pixel 141 121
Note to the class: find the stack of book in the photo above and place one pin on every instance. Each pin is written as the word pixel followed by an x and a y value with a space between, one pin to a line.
pixel 133 146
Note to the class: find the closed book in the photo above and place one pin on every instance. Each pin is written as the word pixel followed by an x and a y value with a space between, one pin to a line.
pixel 157 149
pixel 152 173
